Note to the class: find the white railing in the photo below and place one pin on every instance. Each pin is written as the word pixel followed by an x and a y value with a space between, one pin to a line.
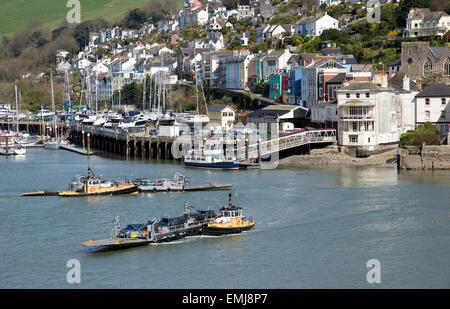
pixel 288 141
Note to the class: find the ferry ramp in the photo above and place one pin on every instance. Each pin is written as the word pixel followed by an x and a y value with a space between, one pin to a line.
pixel 284 142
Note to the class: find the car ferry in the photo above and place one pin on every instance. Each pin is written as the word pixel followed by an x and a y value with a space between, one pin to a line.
pixel 229 221
pixel 93 186
pixel 157 230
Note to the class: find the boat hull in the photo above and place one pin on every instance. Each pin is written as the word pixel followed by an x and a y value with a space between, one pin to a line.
pixel 51 145
pixel 218 231
pixel 127 189
pixel 218 165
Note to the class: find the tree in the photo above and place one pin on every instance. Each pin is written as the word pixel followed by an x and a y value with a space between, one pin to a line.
pixel 135 19
pixel 425 133
pixel 236 45
pixel 404 7
pixel 157 10
pixel 432 77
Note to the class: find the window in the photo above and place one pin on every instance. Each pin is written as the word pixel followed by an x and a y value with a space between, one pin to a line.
pixel 427 65
pixel 427 101
pixel 427 115
pixel 353 138
pixel 367 95
pixel 366 126
pixel 357 95
pixel 443 114
pixel 443 101
pixel 447 67
pixel 347 95
pixel 355 126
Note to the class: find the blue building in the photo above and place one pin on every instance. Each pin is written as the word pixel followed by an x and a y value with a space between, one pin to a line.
pixel 295 86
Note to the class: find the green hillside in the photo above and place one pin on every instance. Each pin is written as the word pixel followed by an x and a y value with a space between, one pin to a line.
pixel 17 14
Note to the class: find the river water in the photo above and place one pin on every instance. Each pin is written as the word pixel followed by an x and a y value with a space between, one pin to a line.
pixel 315 228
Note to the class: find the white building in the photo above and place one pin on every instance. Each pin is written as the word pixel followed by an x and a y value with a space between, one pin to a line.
pixel 222 115
pixel 368 116
pixel 315 25
pixel 328 2
pixel 244 10
pixel 275 61
pixel 433 104
pixel 423 22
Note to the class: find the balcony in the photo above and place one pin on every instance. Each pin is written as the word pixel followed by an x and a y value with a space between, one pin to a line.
pixel 345 116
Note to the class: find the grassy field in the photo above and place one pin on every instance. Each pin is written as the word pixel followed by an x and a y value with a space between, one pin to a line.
pixel 17 14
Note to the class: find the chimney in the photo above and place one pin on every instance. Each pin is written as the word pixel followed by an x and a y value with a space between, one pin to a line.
pixel 406 83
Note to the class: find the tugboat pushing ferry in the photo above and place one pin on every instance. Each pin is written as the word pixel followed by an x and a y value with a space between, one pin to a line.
pixel 201 222
pixel 229 221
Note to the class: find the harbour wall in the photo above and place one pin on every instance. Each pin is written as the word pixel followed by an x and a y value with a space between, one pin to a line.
pixel 424 158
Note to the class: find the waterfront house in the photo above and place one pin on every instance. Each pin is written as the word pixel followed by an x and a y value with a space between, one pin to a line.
pixel 278 113
pixel 222 115
pixel 433 104
pixel 368 116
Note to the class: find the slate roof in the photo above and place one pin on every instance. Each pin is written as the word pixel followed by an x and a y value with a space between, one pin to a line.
pixel 435 90
pixel 337 79
pixel 397 82
pixel 218 108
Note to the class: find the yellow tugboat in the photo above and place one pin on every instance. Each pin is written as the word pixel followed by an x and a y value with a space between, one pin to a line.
pixel 229 221
pixel 94 186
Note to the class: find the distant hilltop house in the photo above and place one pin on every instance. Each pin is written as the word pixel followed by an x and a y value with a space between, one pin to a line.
pixel 423 22
pixel 244 10
pixel 418 58
pixel 328 2
pixel 315 25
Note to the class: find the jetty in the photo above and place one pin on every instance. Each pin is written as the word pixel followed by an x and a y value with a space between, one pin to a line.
pixel 76 149
pixel 145 146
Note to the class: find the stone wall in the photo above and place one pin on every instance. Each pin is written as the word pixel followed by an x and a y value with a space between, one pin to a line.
pixel 425 157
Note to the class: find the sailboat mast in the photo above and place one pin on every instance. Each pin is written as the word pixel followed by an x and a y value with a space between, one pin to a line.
pixel 17 110
pixel 143 90
pixel 196 91
pixel 150 98
pixel 53 105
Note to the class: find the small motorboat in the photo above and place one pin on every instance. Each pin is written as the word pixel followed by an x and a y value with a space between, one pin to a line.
pixel 52 144
pixel 19 150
